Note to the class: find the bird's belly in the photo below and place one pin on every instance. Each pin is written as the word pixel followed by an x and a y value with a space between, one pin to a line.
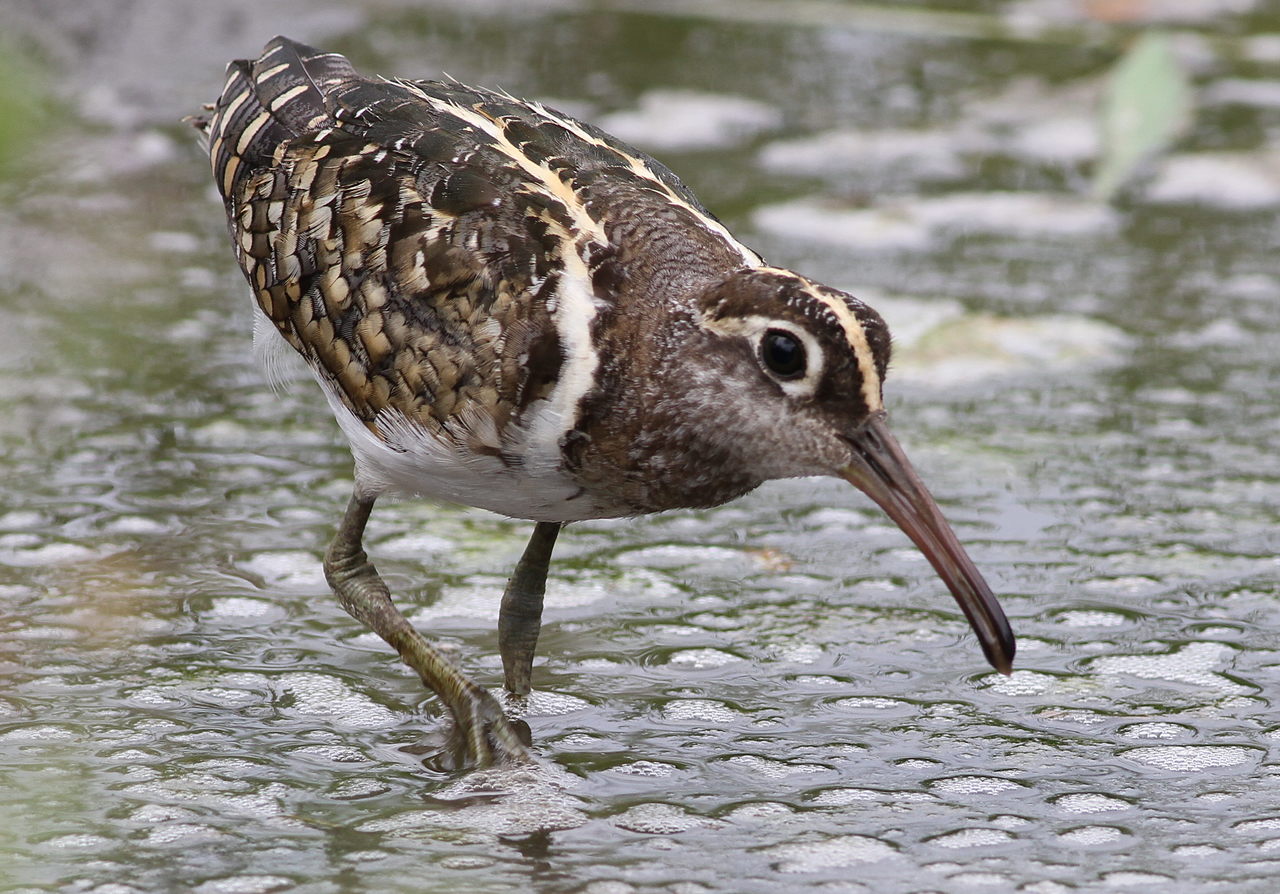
pixel 530 484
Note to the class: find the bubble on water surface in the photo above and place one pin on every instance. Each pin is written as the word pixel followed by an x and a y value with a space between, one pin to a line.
pixel 1193 663
pixel 661 819
pixel 135 524
pixel 981 880
pixel 842 797
pixel 541 703
pixel 962 838
pixel 287 569
pixel 832 853
pixel 649 769
pixel 241 608
pixel 173 241
pixel 1129 878
pixel 767 768
pixel 708 559
pixel 916 223
pixel 37 734
pixel 761 811
pixel 28 551
pixel 873 703
pixel 819 680
pixel 21 520
pixel 796 653
pixel 184 833
pixel 151 814
pixel 1090 802
pixel 973 785
pixel 1197 850
pixel 1243 91
pixel 338 754
pixel 1059 141
pixel 418 545
pixel 486 803
pixel 699 710
pixel 221 695
pixel 1090 835
pixel 683 120
pixel 1194 758
pixel 327 697
pixel 871 154
pixel 245 884
pixel 476 600
pixel 81 841
pixel 1091 618
pixel 1229 181
pixel 609 886
pixel 1022 682
pixel 356 789
pixel 699 659
pixel 1156 730
pixel 978 347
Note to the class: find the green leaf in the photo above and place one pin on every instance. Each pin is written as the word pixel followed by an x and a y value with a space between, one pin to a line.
pixel 1146 106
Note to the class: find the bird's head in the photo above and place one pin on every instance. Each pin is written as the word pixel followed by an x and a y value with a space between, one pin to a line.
pixel 811 362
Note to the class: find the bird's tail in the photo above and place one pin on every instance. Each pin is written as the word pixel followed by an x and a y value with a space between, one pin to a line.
pixel 265 103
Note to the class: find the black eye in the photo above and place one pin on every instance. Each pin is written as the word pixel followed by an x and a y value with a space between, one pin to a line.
pixel 783 354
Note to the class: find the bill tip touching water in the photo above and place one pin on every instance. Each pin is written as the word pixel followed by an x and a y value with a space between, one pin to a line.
pixel 507 308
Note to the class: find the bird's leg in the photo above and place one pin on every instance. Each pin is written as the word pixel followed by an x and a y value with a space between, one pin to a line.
pixel 482 733
pixel 520 618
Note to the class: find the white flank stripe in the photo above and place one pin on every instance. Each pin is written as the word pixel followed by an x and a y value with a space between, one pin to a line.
pixel 574 309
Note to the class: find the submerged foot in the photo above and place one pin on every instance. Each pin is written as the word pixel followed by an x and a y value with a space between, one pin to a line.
pixel 479 735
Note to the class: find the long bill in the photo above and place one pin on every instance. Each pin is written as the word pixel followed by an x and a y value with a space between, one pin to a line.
pixel 882 471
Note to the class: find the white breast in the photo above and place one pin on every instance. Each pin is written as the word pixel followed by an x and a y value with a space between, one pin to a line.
pixel 413 461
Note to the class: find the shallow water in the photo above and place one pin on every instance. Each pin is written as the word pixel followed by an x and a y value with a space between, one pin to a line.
pixel 775 695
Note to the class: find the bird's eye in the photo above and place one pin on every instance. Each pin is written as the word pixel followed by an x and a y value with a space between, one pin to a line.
pixel 783 354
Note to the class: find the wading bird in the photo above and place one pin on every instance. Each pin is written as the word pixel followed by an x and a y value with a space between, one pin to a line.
pixel 509 308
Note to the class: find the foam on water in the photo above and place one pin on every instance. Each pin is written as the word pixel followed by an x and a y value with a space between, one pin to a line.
pixel 966 838
pixel 845 850
pixel 973 785
pixel 322 696
pixel 685 120
pixel 1090 802
pixel 1194 663
pixel 1194 758
pixel 1228 181
pixel 919 222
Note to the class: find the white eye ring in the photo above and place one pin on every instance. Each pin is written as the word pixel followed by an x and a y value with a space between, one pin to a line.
pixel 755 328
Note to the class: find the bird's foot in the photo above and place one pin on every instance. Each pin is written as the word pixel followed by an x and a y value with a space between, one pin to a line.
pixel 479 734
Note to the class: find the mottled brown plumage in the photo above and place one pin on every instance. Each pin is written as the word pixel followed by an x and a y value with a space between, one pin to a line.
pixel 509 308
pixel 411 261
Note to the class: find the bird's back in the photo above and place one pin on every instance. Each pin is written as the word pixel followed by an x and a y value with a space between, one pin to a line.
pixel 446 257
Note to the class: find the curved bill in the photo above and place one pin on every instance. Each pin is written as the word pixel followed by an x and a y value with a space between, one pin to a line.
pixel 882 471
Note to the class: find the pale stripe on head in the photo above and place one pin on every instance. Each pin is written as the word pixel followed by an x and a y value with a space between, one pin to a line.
pixel 855 334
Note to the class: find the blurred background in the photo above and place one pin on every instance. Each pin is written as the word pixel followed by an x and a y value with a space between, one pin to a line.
pixel 1066 209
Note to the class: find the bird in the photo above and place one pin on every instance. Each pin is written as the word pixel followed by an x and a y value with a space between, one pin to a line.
pixel 508 308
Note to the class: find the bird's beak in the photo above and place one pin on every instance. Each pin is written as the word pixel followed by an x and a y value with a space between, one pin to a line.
pixel 882 471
